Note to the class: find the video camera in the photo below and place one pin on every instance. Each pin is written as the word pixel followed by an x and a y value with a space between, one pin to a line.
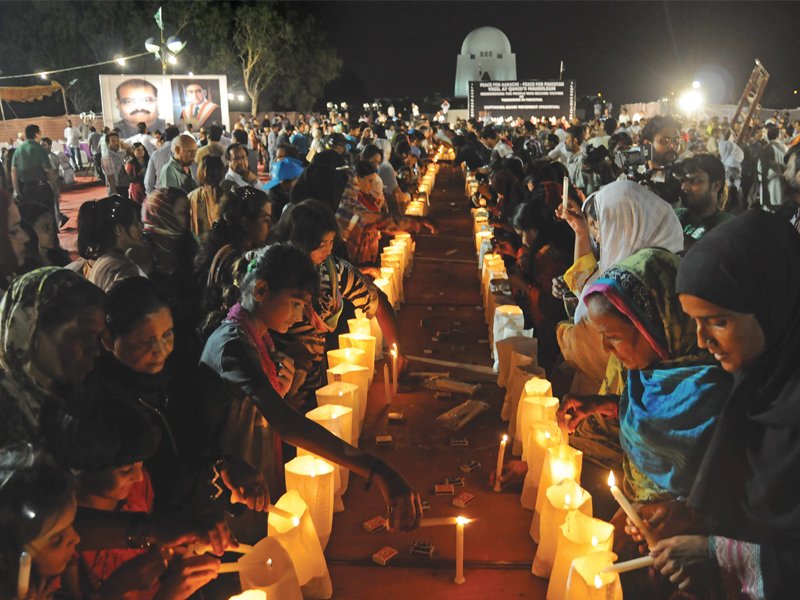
pixel 633 161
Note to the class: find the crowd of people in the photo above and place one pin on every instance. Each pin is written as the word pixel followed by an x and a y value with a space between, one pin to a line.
pixel 176 353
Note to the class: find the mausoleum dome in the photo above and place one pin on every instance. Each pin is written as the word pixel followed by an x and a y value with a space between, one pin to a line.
pixel 486 38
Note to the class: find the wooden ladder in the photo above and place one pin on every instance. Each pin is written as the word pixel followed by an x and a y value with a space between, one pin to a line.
pixel 749 102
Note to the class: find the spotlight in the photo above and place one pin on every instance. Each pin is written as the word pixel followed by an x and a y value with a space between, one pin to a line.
pixel 696 84
pixel 231 95
pixel 171 59
pixel 191 74
pixel 43 75
pixel 240 97
pixel 690 101
pixel 121 61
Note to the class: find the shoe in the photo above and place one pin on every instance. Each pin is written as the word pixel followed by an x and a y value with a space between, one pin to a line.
pixel 62 220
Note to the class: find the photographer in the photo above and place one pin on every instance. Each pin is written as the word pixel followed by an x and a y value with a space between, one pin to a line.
pixel 661 136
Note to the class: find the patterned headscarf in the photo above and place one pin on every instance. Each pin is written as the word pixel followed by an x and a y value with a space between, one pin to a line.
pixel 163 228
pixel 19 323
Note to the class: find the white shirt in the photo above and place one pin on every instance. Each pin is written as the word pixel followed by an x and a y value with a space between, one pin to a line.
pixel 144 139
pixel 72 135
pixel 157 161
pixel 233 176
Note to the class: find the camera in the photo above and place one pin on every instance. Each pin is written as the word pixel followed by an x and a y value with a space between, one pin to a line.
pixel 634 160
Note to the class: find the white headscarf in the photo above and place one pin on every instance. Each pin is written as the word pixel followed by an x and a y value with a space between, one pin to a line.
pixel 631 217
pixel 731 156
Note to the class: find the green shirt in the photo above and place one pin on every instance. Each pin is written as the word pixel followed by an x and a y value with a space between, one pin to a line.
pixel 696 228
pixel 31 162
pixel 174 175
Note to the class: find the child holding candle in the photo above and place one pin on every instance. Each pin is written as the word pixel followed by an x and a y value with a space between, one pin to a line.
pixel 275 293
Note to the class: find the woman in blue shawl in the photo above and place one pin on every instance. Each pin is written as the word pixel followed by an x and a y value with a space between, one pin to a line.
pixel 673 392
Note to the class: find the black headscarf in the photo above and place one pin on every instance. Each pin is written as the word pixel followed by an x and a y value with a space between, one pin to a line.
pixel 748 482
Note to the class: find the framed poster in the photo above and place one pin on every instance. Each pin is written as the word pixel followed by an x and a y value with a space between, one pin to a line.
pixel 157 101
pixel 526 99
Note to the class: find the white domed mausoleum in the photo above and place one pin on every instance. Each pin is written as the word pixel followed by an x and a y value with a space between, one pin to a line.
pixel 485 56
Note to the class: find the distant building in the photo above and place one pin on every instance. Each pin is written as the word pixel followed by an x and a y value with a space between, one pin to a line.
pixel 485 56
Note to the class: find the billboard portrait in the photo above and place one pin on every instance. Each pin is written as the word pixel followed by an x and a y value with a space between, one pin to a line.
pixel 198 100
pixel 157 101
pixel 132 99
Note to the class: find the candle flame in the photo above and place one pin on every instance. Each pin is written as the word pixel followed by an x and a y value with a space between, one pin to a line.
pixel 341 393
pixel 505 437
pixel 611 480
pixel 269 563
pixel 462 520
pixel 567 500
pixel 295 521
pixel 598 582
pixel 547 435
pixel 594 540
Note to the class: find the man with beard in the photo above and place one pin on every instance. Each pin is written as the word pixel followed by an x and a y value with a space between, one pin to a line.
pixel 663 136
pixel 702 189
pixel 137 102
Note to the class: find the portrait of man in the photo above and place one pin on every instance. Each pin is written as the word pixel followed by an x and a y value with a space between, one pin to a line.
pixel 199 107
pixel 137 102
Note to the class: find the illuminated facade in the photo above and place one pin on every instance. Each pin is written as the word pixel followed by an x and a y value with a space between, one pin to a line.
pixel 485 56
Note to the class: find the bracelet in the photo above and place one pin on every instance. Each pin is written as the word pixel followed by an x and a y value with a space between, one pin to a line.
pixel 374 468
pixel 216 474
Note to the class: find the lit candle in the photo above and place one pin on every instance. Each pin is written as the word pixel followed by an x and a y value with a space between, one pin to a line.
pixel 343 394
pixel 561 499
pixel 387 386
pixel 589 580
pixel 279 512
pixel 24 575
pixel 541 436
pixel 501 453
pixel 436 522
pixel 313 479
pixel 460 522
pixel 565 195
pixel 360 326
pixel 556 468
pixel 630 511
pixel 578 536
pixel 532 408
pixel 395 358
pixel 359 376
pixel 352 356
pixel 365 342
pixel 630 565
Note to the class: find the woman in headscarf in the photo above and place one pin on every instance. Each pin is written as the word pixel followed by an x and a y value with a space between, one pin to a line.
pixel 672 391
pixel 740 284
pixel 50 322
pixel 13 240
pixel 628 217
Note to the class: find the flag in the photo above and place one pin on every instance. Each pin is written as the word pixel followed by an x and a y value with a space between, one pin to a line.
pixel 157 17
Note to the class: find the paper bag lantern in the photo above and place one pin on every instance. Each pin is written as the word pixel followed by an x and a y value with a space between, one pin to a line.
pixel 523 369
pixel 352 356
pixel 269 568
pixel 385 285
pixel 358 376
pixel 521 344
pixel 533 408
pixel 560 463
pixel 508 322
pixel 480 236
pixel 339 421
pixel 362 342
pixel 561 498
pixel 578 536
pixel 541 436
pixel 392 273
pixel 313 479
pixel 587 581
pixel 302 544
pixel 359 325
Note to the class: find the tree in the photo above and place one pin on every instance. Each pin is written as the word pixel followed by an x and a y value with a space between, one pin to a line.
pixel 280 48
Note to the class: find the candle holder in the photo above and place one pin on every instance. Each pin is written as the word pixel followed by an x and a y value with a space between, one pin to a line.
pixel 362 342
pixel 542 435
pixel 352 356
pixel 588 581
pixel 359 325
pixel 578 536
pixel 313 479
pixel 386 287
pixel 268 569
pixel 562 498
pixel 339 421
pixel 520 344
pixel 358 376
pixel 508 322
pixel 530 409
pixel 302 544
pixel 340 393
pixel 560 463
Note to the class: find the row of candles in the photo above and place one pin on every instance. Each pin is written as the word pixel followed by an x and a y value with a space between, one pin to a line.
pixel 574 549
pixel 420 203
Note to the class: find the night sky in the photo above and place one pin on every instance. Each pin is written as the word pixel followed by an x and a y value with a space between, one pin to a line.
pixel 628 51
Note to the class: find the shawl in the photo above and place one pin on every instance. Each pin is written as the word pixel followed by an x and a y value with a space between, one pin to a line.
pixel 164 228
pixel 748 479
pixel 668 411
pixel 630 218
pixel 22 399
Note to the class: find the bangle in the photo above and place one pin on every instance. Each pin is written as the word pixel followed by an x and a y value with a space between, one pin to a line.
pixel 374 468
pixel 216 474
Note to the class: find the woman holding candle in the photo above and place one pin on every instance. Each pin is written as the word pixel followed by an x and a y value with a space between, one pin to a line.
pixel 274 297
pixel 740 284
pixel 313 228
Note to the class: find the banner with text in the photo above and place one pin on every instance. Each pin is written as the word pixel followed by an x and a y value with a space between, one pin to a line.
pixel 521 99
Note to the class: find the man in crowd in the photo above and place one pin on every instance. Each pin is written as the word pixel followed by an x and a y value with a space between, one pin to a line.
pixel 94 148
pixel 791 207
pixel 117 179
pixel 213 147
pixel 272 140
pixel 158 159
pixel 300 140
pixel 702 191
pixel 143 138
pixel 72 138
pixel 770 170
pixel 283 176
pixel 137 102
pixel 395 197
pixel 662 135
pixel 199 110
pixel 239 173
pixel 491 139
pixel 240 137
pixel 32 175
pixel 177 173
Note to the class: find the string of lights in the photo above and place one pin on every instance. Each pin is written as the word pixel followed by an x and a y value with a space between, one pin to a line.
pixel 45 74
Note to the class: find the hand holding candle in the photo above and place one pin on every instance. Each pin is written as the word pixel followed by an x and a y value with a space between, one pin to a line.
pixel 630 511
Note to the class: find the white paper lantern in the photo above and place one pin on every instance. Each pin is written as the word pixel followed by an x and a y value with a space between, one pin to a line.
pixel 313 479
